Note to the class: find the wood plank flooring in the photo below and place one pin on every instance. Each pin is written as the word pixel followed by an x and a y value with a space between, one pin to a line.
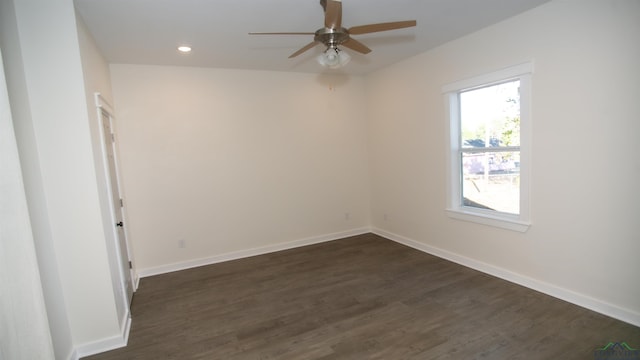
pixel 362 297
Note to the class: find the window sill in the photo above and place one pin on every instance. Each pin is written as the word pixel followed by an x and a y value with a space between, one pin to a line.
pixel 503 221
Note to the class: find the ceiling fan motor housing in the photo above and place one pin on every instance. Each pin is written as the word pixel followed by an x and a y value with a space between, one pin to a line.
pixel 331 37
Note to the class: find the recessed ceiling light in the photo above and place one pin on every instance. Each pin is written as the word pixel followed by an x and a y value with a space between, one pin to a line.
pixel 184 49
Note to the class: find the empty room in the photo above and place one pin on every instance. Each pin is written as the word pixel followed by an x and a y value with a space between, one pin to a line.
pixel 320 179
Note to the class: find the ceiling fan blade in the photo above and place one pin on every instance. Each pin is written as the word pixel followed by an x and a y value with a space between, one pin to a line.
pixel 305 48
pixel 356 46
pixel 365 29
pixel 281 33
pixel 333 14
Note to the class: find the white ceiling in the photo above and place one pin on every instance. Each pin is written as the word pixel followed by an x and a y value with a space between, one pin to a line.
pixel 148 31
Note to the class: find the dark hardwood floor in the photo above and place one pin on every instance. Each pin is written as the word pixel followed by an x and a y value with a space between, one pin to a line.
pixel 363 297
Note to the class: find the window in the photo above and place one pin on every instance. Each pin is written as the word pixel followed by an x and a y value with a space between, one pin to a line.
pixel 490 149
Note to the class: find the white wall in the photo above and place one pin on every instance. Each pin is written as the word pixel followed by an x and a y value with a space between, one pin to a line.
pixel 30 165
pixel 584 240
pixel 24 329
pixel 97 80
pixel 47 95
pixel 230 160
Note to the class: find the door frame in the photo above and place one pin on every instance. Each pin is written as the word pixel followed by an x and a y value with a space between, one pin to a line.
pixel 103 106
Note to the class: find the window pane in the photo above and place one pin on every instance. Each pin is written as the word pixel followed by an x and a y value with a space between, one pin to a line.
pixel 491 180
pixel 490 116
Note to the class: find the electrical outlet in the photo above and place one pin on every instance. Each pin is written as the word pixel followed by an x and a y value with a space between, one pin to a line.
pixel 386 217
pixel 182 244
pixel 347 216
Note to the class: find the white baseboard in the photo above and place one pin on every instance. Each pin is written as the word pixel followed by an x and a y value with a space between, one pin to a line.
pixel 136 282
pixel 163 269
pixel 121 340
pixel 73 355
pixel 106 344
pixel 582 300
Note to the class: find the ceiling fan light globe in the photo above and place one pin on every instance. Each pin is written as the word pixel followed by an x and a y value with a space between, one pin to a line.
pixel 344 58
pixel 329 58
pixel 333 58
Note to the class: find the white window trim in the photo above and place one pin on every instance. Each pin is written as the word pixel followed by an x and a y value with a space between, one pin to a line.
pixel 455 209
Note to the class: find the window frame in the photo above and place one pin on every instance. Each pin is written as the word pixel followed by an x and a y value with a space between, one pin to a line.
pixel 455 208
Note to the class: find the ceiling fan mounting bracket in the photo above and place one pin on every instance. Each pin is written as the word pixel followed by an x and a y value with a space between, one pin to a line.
pixel 331 37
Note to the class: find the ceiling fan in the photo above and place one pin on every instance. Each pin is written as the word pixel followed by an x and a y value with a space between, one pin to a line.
pixel 333 34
